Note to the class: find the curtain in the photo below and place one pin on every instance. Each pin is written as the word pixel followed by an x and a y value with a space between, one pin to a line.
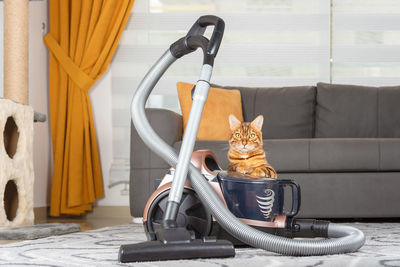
pixel 82 40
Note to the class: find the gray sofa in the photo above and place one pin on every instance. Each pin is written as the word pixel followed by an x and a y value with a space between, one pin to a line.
pixel 341 143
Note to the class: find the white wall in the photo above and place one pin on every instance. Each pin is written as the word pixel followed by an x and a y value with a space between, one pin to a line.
pixel 101 98
pixel 38 99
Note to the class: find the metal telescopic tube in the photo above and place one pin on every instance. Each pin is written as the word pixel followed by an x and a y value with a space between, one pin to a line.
pixel 199 99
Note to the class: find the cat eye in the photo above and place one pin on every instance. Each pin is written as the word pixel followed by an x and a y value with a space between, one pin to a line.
pixel 238 135
pixel 252 136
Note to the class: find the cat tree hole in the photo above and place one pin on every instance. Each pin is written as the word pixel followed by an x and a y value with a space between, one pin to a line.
pixel 10 137
pixel 11 200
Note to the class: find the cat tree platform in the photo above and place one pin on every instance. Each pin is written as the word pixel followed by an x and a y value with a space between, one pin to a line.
pixel 16 164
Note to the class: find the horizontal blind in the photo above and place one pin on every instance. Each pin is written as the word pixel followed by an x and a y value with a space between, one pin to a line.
pixel 366 42
pixel 266 43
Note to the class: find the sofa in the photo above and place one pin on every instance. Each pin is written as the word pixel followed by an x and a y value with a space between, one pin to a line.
pixel 340 143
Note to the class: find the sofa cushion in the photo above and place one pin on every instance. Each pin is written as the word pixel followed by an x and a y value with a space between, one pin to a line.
pixel 288 111
pixel 351 111
pixel 344 155
pixel 168 125
pixel 389 112
pixel 354 154
pixel 214 124
pixel 287 155
pixel 320 154
pixel 248 96
pixel 389 151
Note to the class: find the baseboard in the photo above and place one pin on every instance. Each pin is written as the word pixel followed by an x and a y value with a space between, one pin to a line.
pixel 109 212
pixel 42 213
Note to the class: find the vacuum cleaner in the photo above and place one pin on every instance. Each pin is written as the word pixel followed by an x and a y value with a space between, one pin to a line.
pixel 197 203
pixel 257 202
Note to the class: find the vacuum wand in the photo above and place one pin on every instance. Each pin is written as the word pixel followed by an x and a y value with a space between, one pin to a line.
pixel 193 40
pixel 175 242
pixel 199 99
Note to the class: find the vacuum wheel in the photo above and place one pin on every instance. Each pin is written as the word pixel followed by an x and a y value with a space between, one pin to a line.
pixel 192 214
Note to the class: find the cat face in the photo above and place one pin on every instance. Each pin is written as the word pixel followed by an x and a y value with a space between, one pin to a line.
pixel 246 136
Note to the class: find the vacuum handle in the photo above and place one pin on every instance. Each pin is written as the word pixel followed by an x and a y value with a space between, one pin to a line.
pixel 295 197
pixel 199 27
pixel 195 39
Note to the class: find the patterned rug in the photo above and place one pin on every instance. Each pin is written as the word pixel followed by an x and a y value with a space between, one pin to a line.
pixel 38 231
pixel 100 248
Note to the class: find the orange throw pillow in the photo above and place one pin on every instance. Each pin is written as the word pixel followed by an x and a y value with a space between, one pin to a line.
pixel 214 124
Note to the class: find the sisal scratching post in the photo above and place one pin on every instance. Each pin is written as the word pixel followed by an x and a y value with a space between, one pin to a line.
pixel 16 121
pixel 16 14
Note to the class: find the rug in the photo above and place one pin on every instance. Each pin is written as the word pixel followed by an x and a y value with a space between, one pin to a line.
pixel 38 231
pixel 100 248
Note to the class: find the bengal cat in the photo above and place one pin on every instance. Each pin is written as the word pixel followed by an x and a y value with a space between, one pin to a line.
pixel 246 154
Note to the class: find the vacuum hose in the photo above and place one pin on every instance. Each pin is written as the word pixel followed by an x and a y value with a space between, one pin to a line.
pixel 342 239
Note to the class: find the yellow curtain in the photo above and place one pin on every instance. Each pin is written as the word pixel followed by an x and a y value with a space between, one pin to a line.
pixel 82 40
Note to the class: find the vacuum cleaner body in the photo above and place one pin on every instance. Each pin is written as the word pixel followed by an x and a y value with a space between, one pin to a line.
pixel 259 203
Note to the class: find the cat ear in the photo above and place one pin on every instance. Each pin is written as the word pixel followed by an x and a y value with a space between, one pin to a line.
pixel 233 122
pixel 258 122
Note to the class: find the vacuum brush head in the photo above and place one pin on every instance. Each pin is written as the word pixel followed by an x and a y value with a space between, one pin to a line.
pixel 158 251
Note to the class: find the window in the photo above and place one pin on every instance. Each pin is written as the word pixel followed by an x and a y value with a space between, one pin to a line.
pixel 366 42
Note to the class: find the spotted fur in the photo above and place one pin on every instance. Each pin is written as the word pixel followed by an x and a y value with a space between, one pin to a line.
pixel 246 154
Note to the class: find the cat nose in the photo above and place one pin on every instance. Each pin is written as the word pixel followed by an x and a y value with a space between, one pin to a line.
pixel 244 143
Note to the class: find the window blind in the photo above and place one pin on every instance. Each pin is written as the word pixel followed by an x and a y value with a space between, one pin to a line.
pixel 366 42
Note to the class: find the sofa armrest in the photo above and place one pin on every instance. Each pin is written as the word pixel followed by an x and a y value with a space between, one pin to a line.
pixel 168 125
pixel 145 166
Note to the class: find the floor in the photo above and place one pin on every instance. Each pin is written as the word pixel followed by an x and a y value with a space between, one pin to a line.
pixel 88 223
pixel 101 247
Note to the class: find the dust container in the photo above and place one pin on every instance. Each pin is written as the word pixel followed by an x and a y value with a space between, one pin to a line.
pixel 259 198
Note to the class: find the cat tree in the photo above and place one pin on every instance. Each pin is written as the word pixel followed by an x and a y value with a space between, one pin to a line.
pixel 16 121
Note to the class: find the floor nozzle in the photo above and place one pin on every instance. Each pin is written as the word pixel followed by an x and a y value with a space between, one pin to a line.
pixel 174 235
pixel 174 243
